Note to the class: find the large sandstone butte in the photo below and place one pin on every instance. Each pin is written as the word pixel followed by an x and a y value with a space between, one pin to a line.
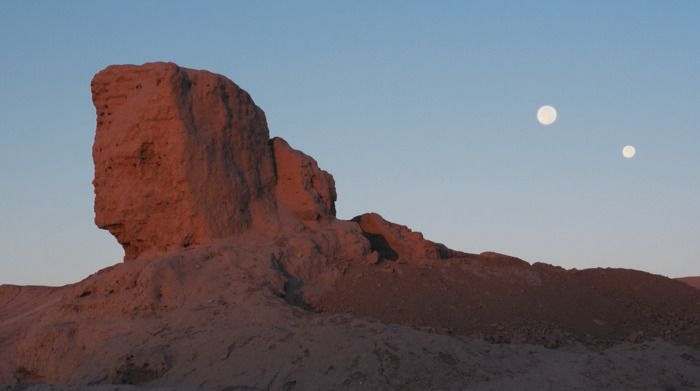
pixel 183 157
pixel 240 276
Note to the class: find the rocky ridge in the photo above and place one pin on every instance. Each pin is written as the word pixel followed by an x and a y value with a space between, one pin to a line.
pixel 238 275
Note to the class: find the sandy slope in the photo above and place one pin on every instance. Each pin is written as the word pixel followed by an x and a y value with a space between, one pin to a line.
pixel 437 362
pixel 509 300
pixel 692 281
pixel 212 318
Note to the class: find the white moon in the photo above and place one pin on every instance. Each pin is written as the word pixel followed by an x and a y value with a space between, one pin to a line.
pixel 629 151
pixel 546 115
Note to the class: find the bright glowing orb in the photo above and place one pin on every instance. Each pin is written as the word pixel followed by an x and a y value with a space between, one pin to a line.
pixel 629 151
pixel 546 115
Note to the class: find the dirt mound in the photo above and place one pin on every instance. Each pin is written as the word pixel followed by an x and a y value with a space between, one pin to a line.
pixel 510 301
pixel 219 317
pixel 692 281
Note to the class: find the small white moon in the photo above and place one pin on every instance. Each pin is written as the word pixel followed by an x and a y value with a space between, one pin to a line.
pixel 546 115
pixel 629 151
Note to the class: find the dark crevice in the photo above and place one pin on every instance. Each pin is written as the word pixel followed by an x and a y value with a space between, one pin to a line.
pixel 379 244
pixel 270 145
pixel 293 286
pixel 24 376
pixel 146 153
pixel 444 252
pixel 227 105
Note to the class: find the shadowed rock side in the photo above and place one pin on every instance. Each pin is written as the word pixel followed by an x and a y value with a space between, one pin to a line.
pixel 393 241
pixel 240 276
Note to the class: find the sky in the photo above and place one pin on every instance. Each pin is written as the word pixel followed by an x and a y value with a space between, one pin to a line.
pixel 423 111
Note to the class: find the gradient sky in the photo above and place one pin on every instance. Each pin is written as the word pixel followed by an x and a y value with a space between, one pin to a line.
pixel 423 111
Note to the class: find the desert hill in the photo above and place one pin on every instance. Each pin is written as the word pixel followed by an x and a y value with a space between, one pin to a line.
pixel 238 275
pixel 692 281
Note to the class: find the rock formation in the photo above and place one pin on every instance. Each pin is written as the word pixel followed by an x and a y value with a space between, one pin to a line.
pixel 301 186
pixel 181 158
pixel 245 278
pixel 394 241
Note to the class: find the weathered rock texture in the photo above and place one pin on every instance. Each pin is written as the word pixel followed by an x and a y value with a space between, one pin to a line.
pixel 181 157
pixel 301 186
pixel 393 241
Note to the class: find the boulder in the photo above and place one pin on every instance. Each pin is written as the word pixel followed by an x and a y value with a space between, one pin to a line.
pixel 393 241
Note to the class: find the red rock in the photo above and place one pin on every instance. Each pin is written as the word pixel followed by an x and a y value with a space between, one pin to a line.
pixel 181 157
pixel 394 241
pixel 502 259
pixel 302 186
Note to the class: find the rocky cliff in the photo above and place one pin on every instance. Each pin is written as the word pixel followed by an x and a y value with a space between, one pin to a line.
pixel 239 275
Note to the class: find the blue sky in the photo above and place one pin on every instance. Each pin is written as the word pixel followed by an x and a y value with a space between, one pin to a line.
pixel 423 111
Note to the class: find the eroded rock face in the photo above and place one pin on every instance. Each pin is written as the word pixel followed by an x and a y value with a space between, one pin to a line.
pixel 181 157
pixel 302 186
pixel 394 241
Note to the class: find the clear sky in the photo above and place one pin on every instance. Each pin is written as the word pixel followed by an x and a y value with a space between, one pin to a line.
pixel 423 111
